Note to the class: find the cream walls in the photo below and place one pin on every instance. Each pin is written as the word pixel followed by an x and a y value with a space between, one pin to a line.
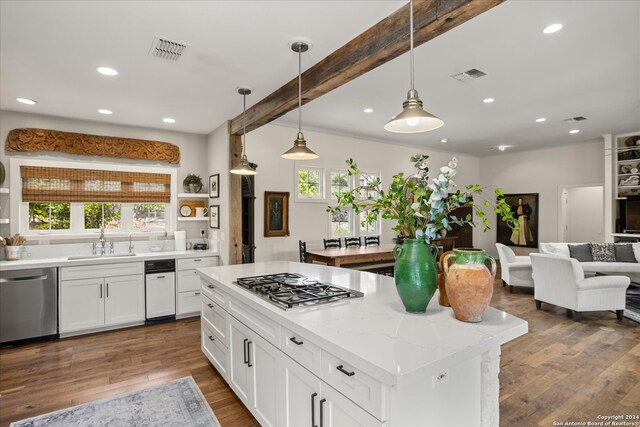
pixel 544 172
pixel 218 162
pixel 308 221
pixel 193 149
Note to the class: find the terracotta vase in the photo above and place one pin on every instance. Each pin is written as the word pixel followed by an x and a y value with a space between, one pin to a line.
pixel 468 283
pixel 442 290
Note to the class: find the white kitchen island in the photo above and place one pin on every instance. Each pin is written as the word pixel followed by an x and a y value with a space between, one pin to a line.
pixel 362 361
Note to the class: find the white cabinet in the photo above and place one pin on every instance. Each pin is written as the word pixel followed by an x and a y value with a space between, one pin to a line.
pixel 188 283
pixel 94 297
pixel 253 373
pixel 161 294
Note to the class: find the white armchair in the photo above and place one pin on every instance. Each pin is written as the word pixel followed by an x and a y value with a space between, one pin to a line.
pixel 515 270
pixel 560 281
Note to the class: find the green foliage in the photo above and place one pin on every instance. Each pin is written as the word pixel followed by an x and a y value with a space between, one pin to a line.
pixel 420 206
pixel 97 215
pixel 49 216
pixel 308 182
pixel 193 179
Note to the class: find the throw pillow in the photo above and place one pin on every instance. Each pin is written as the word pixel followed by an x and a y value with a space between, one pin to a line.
pixel 581 252
pixel 603 252
pixel 624 253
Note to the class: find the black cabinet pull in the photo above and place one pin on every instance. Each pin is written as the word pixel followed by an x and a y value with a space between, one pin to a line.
pixel 347 373
pixel 211 287
pixel 100 290
pixel 249 353
pixel 197 260
pixel 211 338
pixel 245 351
pixel 313 410
pixel 198 293
pixel 295 341
pixel 211 307
pixel 107 290
pixel 160 277
pixel 321 409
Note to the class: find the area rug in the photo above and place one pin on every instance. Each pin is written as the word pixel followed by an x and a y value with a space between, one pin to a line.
pixel 632 310
pixel 177 404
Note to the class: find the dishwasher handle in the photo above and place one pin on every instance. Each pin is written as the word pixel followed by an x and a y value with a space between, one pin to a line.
pixel 23 279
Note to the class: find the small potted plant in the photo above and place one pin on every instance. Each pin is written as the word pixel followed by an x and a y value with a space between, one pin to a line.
pixel 192 183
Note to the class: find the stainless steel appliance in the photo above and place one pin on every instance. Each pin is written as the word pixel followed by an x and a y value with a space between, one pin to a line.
pixel 160 289
pixel 28 304
pixel 291 290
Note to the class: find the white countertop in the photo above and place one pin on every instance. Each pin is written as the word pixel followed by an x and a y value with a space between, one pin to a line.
pixel 375 331
pixel 25 263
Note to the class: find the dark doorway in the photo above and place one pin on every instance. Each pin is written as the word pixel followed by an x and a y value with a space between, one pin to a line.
pixel 248 203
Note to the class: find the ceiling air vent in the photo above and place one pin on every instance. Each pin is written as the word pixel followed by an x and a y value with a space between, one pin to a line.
pixel 167 49
pixel 469 75
pixel 575 119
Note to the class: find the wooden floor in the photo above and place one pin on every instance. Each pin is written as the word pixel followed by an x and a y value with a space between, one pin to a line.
pixel 561 370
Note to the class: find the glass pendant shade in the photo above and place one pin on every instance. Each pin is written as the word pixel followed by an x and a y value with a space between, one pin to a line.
pixel 299 151
pixel 413 118
pixel 244 168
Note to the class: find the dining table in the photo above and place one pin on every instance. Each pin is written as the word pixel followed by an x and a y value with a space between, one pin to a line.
pixel 360 255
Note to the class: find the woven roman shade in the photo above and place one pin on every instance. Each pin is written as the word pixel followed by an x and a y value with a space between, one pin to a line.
pixel 43 184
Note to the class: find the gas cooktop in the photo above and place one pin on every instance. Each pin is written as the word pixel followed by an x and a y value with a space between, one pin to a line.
pixel 291 290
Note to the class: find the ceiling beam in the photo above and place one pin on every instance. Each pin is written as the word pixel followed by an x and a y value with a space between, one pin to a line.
pixel 381 43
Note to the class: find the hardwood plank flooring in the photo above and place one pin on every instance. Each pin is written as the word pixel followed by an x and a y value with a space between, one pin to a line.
pixel 562 370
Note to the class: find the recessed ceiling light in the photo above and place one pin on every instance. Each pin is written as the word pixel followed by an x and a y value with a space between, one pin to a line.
pixel 574 131
pixel 105 111
pixel 368 110
pixel 502 147
pixel 541 119
pixel 169 120
pixel 488 100
pixel 26 101
pixel 444 140
pixel 553 28
pixel 107 71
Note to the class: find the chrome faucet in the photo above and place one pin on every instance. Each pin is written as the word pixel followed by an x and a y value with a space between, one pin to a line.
pixel 102 244
pixel 131 247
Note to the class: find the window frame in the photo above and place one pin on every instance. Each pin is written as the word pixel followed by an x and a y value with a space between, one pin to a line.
pixel 320 197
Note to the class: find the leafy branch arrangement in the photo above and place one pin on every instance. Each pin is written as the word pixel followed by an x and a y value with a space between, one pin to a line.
pixel 422 207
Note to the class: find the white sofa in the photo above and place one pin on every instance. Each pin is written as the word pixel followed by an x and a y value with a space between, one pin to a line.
pixel 515 270
pixel 592 267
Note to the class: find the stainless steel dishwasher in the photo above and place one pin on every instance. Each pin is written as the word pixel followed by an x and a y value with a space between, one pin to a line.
pixel 28 304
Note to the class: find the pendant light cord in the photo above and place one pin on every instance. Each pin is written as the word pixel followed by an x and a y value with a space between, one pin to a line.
pixel 244 120
pixel 411 38
pixel 299 88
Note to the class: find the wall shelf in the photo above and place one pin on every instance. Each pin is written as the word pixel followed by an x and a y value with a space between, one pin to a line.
pixel 4 191
pixel 193 195
pixel 4 220
pixel 193 218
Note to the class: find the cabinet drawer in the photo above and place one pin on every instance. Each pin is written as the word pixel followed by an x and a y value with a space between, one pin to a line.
pixel 217 317
pixel 261 324
pixel 190 263
pixel 213 292
pixel 361 388
pixel 217 353
pixel 188 280
pixel 189 302
pixel 300 349
pixel 102 270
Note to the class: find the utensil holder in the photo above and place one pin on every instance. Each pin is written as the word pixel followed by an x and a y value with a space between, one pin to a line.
pixel 13 252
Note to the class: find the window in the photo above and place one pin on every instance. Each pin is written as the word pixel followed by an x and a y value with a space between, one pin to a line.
pixel 341 224
pixel 368 229
pixel 98 215
pixel 149 216
pixel 309 182
pixel 49 216
pixel 367 181
pixel 339 183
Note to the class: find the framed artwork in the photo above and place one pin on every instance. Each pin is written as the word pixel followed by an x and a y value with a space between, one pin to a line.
pixel 276 214
pixel 525 209
pixel 214 186
pixel 214 216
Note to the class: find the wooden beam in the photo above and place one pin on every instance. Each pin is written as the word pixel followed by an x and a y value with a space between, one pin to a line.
pixel 381 43
pixel 235 201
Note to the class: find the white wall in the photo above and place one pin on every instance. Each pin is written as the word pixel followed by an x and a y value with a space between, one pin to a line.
pixel 193 148
pixel 309 221
pixel 217 160
pixel 544 172
pixel 584 214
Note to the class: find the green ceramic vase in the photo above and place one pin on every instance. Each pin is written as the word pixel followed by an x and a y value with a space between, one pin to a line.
pixel 416 274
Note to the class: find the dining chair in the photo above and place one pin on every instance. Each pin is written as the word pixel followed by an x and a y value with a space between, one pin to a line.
pixel 303 250
pixel 352 242
pixel 332 243
pixel 372 241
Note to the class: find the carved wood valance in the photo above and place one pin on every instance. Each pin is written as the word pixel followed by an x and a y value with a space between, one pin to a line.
pixel 29 140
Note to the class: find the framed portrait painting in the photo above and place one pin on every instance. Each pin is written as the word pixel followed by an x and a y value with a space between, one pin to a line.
pixel 276 214
pixel 214 216
pixel 214 186
pixel 525 210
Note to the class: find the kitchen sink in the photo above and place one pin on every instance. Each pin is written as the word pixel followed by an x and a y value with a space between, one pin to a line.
pixel 75 257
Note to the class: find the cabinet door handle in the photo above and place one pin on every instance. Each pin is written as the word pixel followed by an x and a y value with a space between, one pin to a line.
pixel 211 287
pixel 196 293
pixel 245 351
pixel 249 354
pixel 197 260
pixel 295 341
pixel 211 338
pixel 100 290
pixel 321 410
pixel 313 410
pixel 107 290
pixel 211 307
pixel 160 277
pixel 347 373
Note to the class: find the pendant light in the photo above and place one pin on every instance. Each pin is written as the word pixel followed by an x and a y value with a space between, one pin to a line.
pixel 299 151
pixel 244 167
pixel 413 118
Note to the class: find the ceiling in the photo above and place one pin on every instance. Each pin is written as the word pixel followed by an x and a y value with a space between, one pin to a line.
pixel 49 51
